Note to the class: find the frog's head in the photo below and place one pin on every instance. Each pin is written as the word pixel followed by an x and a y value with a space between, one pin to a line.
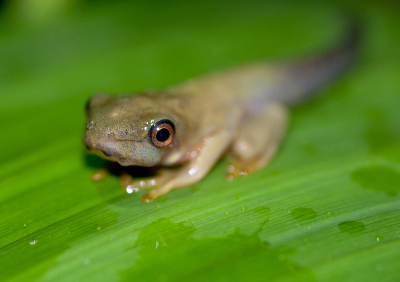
pixel 131 129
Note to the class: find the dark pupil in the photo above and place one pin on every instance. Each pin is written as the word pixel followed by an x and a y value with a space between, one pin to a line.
pixel 162 135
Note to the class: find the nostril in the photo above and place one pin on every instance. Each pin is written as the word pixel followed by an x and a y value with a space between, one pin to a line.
pixel 88 147
pixel 89 125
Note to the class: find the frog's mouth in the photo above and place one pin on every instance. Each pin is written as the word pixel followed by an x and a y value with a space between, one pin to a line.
pixel 103 154
pixel 100 153
pixel 122 161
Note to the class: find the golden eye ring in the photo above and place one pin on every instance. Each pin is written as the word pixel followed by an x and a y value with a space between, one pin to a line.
pixel 162 133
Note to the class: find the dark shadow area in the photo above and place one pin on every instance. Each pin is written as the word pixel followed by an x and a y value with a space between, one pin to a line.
pixel 114 168
pixel 2 5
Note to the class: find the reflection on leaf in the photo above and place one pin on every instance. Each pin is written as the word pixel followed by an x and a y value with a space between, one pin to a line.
pixel 164 256
pixel 378 178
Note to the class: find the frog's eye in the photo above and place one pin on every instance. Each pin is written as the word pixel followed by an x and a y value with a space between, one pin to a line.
pixel 162 133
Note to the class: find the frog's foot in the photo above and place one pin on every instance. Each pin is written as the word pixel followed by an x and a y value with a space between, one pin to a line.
pixel 237 168
pixel 243 167
pixel 258 140
pixel 100 174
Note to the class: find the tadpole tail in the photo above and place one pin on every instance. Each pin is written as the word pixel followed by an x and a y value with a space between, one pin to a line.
pixel 306 76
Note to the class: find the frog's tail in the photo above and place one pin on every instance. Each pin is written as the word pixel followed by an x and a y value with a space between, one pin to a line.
pixel 302 79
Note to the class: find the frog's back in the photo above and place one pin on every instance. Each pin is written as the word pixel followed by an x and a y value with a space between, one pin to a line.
pixel 287 83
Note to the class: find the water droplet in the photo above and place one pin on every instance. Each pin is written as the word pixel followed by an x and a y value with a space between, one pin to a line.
pixel 226 212
pixel 381 136
pixel 329 213
pixel 244 208
pixel 351 227
pixel 234 243
pixel 193 170
pixel 86 261
pixel 24 224
pixel 261 210
pixel 303 214
pixel 379 238
pixel 98 228
pixel 130 189
pixel 378 178
pixel 33 242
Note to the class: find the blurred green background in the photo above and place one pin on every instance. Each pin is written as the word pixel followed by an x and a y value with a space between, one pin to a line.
pixel 326 209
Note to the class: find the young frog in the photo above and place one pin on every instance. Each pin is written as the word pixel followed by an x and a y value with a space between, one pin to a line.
pixel 243 111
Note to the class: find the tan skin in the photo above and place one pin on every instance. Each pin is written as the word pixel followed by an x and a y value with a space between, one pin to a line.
pixel 242 111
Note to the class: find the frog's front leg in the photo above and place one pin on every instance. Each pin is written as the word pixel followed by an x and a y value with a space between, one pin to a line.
pixel 207 153
pixel 259 136
pixel 127 182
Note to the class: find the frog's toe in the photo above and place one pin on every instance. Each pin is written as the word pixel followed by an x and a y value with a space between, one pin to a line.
pixel 99 174
pixel 150 196
pixel 236 169
pixel 242 168
pixel 147 197
pixel 125 180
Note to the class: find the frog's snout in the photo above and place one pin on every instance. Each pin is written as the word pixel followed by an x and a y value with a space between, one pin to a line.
pixel 93 146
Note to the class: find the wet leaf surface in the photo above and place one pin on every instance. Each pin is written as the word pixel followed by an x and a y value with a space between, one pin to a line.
pixel 326 208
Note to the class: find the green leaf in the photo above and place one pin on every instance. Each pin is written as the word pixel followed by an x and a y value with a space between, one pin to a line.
pixel 326 208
